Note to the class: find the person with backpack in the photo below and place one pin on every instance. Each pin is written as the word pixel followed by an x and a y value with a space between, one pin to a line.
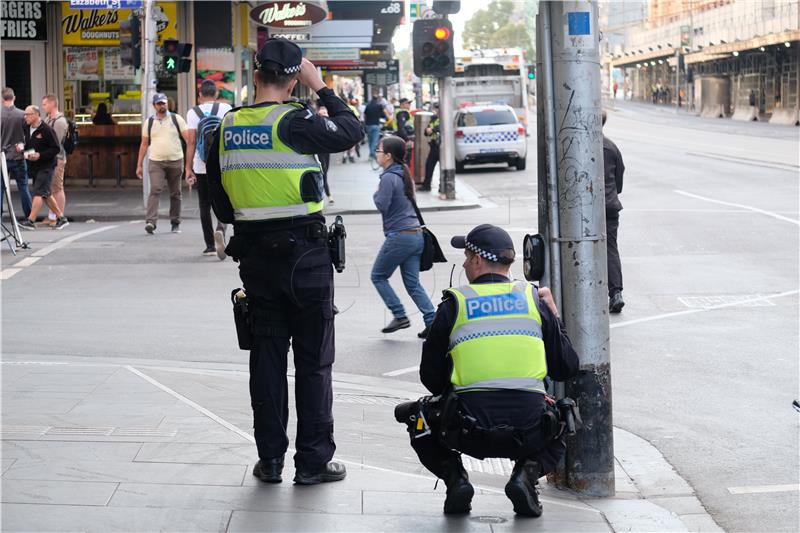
pixel 201 121
pixel 166 136
pixel 56 120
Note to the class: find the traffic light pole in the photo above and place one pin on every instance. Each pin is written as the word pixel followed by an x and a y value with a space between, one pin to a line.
pixel 447 154
pixel 148 80
pixel 581 233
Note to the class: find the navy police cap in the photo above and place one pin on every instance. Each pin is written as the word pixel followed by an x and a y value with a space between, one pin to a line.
pixel 488 241
pixel 279 55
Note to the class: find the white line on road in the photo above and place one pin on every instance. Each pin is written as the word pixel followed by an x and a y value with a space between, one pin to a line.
pixel 72 238
pixel 700 310
pixel 250 438
pixel 748 207
pixel 28 261
pixel 761 489
pixel 8 272
pixel 401 371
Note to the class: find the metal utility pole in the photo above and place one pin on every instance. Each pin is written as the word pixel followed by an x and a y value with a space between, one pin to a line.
pixel 447 155
pixel 578 148
pixel 677 78
pixel 149 82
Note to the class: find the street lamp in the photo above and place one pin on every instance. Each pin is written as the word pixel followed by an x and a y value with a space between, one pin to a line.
pixel 735 53
pixel 787 44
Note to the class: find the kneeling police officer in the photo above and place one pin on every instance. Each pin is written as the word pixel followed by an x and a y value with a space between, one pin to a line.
pixel 489 349
pixel 265 179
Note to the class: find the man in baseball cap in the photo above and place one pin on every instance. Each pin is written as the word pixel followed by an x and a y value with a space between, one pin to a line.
pixel 491 345
pixel 160 98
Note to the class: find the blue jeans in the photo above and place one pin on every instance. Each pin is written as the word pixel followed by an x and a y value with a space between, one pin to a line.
pixel 402 250
pixel 373 136
pixel 18 170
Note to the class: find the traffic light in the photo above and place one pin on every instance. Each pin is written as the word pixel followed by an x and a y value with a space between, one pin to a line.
pixel 446 7
pixel 433 48
pixel 130 41
pixel 531 72
pixel 176 56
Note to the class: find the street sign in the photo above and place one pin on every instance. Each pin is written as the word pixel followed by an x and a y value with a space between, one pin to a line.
pixel 105 4
pixel 685 36
pixel 387 73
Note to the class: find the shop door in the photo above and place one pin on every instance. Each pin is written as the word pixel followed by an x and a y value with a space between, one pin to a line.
pixel 23 70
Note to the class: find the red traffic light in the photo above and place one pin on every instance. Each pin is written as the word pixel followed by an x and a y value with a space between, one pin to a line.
pixel 441 33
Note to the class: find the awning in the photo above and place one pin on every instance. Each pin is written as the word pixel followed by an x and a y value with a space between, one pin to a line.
pixel 710 53
pixel 631 60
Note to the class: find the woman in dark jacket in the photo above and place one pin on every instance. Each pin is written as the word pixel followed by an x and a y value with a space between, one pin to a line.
pixel 404 241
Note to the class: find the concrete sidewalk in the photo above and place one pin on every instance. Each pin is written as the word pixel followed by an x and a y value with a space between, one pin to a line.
pixel 132 445
pixel 352 186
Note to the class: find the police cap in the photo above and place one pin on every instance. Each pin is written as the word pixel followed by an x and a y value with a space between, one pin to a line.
pixel 279 55
pixel 488 241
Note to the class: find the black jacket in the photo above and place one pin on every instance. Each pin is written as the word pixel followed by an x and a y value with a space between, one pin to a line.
pixel 613 169
pixel 516 408
pixel 304 131
pixel 44 141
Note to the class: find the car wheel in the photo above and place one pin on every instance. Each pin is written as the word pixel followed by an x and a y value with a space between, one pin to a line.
pixel 459 167
pixel 520 163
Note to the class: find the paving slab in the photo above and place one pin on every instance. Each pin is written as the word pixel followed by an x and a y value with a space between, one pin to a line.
pixel 57 492
pixel 26 517
pixel 255 521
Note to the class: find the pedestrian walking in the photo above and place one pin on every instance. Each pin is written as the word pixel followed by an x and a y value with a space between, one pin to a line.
pixel 165 135
pixel 491 346
pixel 613 170
pixel 265 178
pixel 13 134
pixel 433 134
pixel 201 120
pixel 404 240
pixel 56 120
pixel 374 113
pixel 40 149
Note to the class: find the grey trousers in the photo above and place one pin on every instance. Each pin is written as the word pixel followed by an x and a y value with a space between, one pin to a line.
pixel 171 173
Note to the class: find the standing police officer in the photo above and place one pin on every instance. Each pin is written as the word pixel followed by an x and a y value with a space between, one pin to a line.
pixel 487 353
pixel 265 179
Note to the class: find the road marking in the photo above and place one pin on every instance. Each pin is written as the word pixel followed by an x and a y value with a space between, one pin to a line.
pixel 250 438
pixel 28 261
pixel 710 308
pixel 748 207
pixel 401 371
pixel 72 238
pixel 762 489
pixel 8 272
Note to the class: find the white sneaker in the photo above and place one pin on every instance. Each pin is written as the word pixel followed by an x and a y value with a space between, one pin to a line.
pixel 219 244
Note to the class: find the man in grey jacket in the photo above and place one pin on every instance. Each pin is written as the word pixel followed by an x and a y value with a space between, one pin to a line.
pixel 613 169
pixel 12 134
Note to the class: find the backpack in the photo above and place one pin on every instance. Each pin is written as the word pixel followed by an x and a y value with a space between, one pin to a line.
pixel 177 127
pixel 71 138
pixel 209 122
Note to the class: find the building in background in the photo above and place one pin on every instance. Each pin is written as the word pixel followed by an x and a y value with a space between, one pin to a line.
pixel 713 54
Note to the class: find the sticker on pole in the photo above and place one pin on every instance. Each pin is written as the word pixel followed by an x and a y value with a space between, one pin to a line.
pixel 578 30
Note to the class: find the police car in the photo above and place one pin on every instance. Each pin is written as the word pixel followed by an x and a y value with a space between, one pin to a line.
pixel 489 134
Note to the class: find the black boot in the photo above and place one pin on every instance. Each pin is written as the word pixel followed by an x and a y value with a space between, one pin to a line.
pixel 269 470
pixel 521 489
pixel 459 490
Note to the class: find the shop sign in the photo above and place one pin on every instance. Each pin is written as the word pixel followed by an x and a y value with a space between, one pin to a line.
pixel 295 36
pixel 113 69
pixel 23 21
pixel 100 27
pixel 387 73
pixel 81 64
pixel 331 55
pixel 288 14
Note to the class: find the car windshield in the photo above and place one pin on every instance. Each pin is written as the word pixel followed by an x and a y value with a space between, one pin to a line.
pixel 489 117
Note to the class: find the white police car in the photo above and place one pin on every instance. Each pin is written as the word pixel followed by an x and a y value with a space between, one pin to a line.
pixel 489 134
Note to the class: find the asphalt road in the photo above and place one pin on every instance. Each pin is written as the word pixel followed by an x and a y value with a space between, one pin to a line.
pixel 711 219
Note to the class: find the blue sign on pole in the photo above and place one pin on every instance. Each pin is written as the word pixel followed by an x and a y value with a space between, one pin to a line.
pixel 578 23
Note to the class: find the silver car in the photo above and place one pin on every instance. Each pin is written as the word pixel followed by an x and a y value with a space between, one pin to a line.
pixel 489 134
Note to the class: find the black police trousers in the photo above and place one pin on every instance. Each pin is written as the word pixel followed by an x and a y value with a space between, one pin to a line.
pixel 430 164
pixel 291 295
pixel 433 452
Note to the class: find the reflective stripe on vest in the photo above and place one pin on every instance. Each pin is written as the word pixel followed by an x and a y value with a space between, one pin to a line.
pixel 496 340
pixel 260 174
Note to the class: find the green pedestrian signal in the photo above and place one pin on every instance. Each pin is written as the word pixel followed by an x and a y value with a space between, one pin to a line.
pixel 171 64
pixel 176 56
pixel 531 71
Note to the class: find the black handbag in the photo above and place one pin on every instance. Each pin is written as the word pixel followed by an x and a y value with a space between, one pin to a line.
pixel 431 251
